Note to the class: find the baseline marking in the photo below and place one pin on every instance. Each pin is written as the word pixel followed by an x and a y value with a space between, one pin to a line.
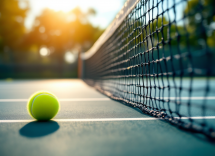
pixel 74 99
pixel 108 99
pixel 108 119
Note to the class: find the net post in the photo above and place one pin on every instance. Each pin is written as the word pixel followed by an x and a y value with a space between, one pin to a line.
pixel 80 65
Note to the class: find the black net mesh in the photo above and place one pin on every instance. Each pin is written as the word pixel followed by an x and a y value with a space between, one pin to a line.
pixel 161 60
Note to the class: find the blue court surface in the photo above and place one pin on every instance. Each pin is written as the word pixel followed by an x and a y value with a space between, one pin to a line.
pixel 91 124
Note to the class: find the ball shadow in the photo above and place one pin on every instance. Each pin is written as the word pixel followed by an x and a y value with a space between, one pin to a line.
pixel 39 129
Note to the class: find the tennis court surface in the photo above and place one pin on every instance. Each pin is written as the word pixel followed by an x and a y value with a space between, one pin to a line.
pixel 88 123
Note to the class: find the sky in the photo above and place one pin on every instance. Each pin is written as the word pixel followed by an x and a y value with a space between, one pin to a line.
pixel 106 9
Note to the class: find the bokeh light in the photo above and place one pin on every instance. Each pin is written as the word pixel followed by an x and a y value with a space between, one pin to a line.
pixel 69 57
pixel 42 29
pixel 44 51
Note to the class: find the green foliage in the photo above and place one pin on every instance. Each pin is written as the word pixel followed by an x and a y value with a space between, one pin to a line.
pixel 11 24
pixel 201 17
pixel 156 33
pixel 63 31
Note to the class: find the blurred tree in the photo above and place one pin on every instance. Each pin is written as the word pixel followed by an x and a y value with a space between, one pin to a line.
pixel 161 31
pixel 12 27
pixel 201 22
pixel 63 31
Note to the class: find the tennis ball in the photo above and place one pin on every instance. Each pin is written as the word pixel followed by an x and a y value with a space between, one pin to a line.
pixel 43 105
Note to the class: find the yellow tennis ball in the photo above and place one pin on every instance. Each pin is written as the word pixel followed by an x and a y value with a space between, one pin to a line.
pixel 43 105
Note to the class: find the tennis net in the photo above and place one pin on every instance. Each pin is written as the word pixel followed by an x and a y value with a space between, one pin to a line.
pixel 158 56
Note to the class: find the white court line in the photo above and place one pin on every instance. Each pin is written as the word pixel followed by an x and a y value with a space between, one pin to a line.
pixel 73 99
pixel 192 98
pixel 197 117
pixel 108 99
pixel 107 119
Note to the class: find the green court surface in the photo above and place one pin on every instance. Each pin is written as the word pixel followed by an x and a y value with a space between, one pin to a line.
pixel 88 124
